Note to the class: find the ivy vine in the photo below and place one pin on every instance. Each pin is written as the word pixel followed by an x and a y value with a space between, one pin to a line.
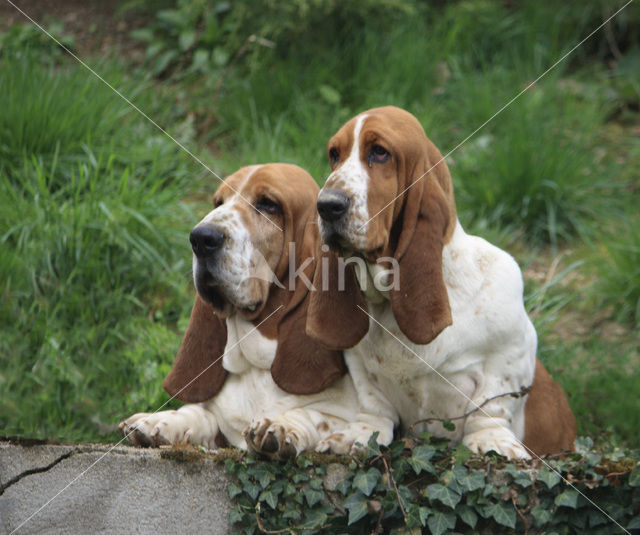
pixel 425 484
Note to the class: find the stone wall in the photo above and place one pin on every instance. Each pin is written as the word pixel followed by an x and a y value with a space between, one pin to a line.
pixel 48 489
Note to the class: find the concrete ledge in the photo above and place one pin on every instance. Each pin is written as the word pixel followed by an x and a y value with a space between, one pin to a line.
pixel 127 490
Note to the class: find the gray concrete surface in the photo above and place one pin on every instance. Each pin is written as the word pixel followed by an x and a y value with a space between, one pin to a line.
pixel 51 489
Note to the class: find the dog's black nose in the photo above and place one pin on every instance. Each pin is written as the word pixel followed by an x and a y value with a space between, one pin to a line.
pixel 206 240
pixel 332 205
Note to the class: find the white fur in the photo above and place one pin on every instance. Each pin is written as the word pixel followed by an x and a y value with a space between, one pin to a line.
pixel 490 349
pixel 250 399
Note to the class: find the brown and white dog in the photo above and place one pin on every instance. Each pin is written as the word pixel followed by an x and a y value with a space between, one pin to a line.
pixel 446 329
pixel 247 335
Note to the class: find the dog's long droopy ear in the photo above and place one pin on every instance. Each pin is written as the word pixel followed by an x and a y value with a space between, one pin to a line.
pixel 197 373
pixel 420 302
pixel 337 316
pixel 301 365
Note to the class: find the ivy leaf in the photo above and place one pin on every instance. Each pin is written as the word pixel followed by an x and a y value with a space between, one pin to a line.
pixel 373 448
pixel 469 480
pixel 366 481
pixel 443 494
pixel 467 515
pixel 541 515
pixel 503 513
pixel 568 498
pixel 236 515
pixel 549 478
pixel 596 518
pixel 390 501
pixel 634 477
pixel 252 489
pixel 461 454
pixel 290 489
pixel 396 448
pixel 356 504
pixel 523 479
pixel 313 496
pixel 635 523
pixel 440 522
pixel 233 490
pixel 400 467
pixel 414 519
pixel 303 461
pixel 300 476
pixel 292 512
pixel 343 487
pixel 270 497
pixel 488 490
pixel 231 467
pixel 583 444
pixel 315 518
pixel 263 474
pixel 420 458
pixel 448 425
pixel 511 470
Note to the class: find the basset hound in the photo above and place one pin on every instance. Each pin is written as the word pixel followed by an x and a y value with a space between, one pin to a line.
pixel 252 255
pixel 439 328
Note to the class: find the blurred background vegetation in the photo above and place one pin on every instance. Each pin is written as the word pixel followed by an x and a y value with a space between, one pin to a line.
pixel 96 203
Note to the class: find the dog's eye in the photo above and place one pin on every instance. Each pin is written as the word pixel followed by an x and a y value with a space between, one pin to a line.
pixel 217 202
pixel 378 154
pixel 334 156
pixel 268 206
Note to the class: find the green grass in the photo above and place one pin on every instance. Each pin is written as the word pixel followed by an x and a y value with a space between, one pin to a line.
pixel 94 261
pixel 534 164
pixel 615 259
pixel 600 374
pixel 96 204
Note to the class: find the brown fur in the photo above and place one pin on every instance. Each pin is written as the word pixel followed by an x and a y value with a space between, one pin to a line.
pixel 301 366
pixel 201 347
pixel 550 426
pixel 421 304
pixel 337 318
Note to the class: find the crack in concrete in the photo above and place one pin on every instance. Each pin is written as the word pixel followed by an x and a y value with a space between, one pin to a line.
pixel 37 470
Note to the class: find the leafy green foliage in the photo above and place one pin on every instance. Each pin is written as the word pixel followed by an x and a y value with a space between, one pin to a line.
pixel 383 489
pixel 203 36
pixel 27 39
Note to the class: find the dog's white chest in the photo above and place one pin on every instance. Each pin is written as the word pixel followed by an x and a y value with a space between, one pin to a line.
pixel 247 346
pixel 421 381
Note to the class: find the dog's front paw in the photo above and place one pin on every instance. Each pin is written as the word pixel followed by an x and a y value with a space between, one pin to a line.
pixel 498 439
pixel 273 439
pixel 150 430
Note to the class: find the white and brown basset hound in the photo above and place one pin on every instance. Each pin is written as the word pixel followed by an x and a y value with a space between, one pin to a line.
pixel 445 327
pixel 246 333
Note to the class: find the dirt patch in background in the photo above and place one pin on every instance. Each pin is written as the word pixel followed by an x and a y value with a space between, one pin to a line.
pixel 98 27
